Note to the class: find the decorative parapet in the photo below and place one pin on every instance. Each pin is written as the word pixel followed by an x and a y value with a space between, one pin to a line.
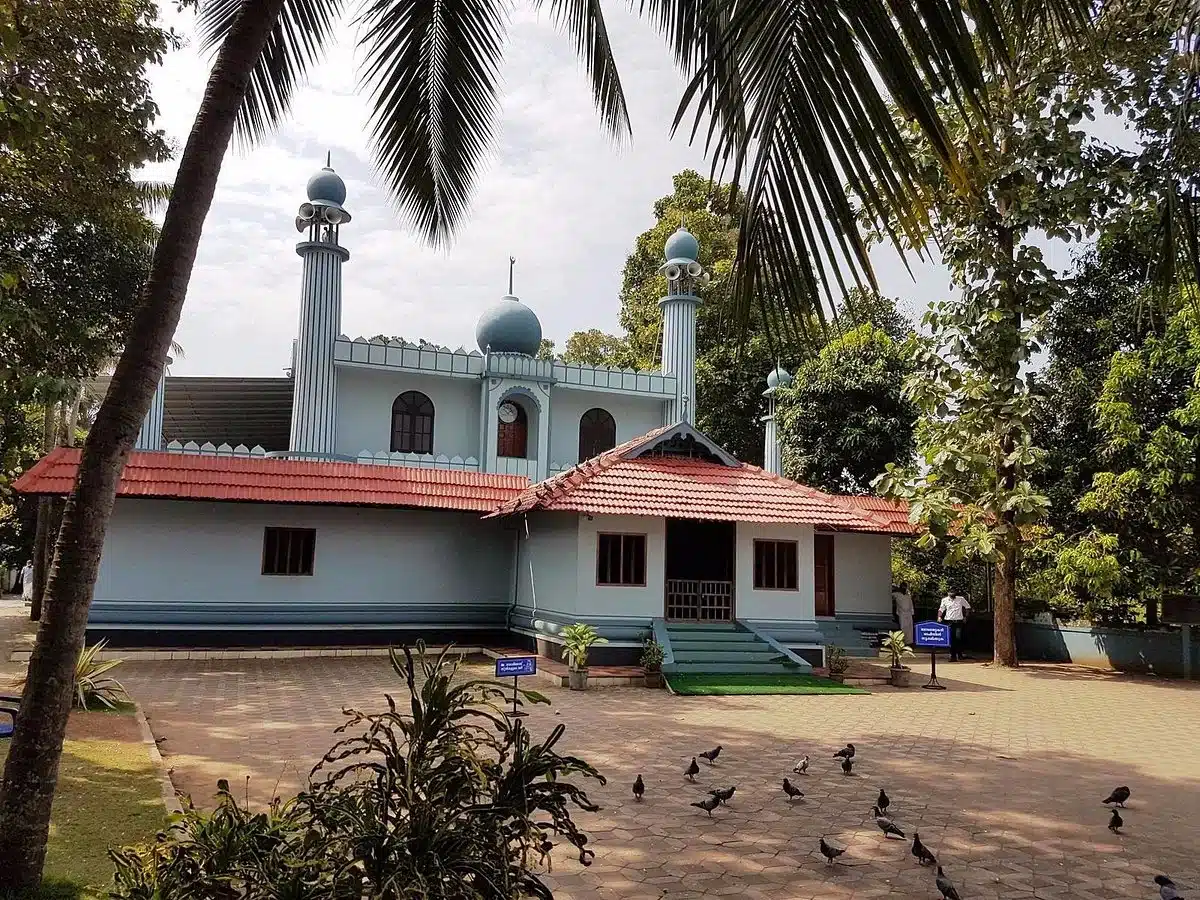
pixel 210 449
pixel 432 359
pixel 419 461
pixel 511 465
pixel 558 467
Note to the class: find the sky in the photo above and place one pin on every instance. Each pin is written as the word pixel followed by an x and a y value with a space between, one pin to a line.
pixel 557 193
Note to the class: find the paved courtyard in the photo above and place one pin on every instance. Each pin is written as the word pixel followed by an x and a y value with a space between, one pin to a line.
pixel 1003 775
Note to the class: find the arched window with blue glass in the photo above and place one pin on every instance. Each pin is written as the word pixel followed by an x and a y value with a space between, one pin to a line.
pixel 597 433
pixel 412 423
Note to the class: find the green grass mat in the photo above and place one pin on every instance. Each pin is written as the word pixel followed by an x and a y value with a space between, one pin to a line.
pixel 731 685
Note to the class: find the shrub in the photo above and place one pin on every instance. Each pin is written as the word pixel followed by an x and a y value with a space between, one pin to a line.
pixel 92 682
pixel 836 660
pixel 577 640
pixel 451 798
pixel 896 644
pixel 652 655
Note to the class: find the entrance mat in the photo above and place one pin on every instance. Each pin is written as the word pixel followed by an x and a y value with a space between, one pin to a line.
pixel 731 685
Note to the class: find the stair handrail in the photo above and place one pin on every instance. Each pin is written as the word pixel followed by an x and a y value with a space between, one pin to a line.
pixel 664 638
pixel 775 645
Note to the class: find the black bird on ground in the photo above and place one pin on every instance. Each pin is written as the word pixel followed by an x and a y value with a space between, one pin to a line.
pixel 1166 888
pixel 923 854
pixel 847 766
pixel 791 790
pixel 711 755
pixel 1115 823
pixel 883 801
pixel 830 852
pixel 845 753
pixel 1118 796
pixel 886 825
pixel 946 886
pixel 726 795
pixel 708 804
pixel 639 788
pixel 693 770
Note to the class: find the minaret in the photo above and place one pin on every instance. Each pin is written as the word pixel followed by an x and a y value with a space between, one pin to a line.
pixel 151 435
pixel 314 378
pixel 684 274
pixel 772 458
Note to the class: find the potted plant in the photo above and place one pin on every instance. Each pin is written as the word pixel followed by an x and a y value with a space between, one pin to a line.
pixel 577 640
pixel 652 660
pixel 836 662
pixel 896 644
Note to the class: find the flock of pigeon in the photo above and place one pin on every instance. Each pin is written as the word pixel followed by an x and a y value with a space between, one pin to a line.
pixel 923 855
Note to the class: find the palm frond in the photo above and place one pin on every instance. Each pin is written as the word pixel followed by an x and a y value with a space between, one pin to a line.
pixel 432 71
pixel 797 98
pixel 153 196
pixel 297 42
pixel 583 20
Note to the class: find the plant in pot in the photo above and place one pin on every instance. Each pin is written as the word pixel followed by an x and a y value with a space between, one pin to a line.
pixel 652 660
pixel 836 662
pixel 896 644
pixel 577 640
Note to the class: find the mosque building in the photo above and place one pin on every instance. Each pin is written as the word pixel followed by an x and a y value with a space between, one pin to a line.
pixel 386 491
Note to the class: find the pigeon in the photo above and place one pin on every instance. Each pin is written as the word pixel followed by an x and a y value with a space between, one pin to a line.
pixel 886 825
pixel 639 788
pixel 1166 888
pixel 791 790
pixel 946 886
pixel 847 766
pixel 923 854
pixel 711 755
pixel 1115 823
pixel 693 770
pixel 801 768
pixel 830 852
pixel 1118 796
pixel 708 804
pixel 883 802
pixel 846 753
pixel 726 795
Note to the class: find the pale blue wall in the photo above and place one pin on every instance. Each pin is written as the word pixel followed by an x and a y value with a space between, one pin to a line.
pixel 546 577
pixel 634 415
pixel 364 415
pixel 177 562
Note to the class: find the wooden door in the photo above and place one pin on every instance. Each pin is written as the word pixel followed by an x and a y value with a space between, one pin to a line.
pixel 823 574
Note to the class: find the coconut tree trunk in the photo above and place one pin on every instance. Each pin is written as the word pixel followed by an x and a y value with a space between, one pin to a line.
pixel 31 771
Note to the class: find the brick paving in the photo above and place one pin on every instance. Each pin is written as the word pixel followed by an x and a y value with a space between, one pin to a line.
pixel 1003 775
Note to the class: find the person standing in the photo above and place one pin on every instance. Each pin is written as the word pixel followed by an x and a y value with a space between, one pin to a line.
pixel 953 611
pixel 27 582
pixel 902 609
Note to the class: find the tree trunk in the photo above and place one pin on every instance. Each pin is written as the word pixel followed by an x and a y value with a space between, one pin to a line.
pixel 1004 606
pixel 42 530
pixel 31 771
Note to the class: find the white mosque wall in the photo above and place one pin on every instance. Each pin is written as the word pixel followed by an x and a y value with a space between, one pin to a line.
pixel 862 575
pixel 364 414
pixel 196 564
pixel 547 563
pixel 644 601
pixel 635 415
pixel 759 605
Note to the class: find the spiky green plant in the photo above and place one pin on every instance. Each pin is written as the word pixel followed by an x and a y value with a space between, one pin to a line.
pixel 92 682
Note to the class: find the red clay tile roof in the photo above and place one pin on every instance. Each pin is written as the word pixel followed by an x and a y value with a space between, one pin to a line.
pixel 891 514
pixel 187 477
pixel 685 488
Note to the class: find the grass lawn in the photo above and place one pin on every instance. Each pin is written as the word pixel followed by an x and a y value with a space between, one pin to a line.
pixel 731 685
pixel 108 796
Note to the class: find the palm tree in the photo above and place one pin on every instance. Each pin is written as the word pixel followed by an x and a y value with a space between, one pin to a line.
pixel 788 95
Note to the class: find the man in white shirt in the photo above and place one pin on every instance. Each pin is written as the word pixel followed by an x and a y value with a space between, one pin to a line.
pixel 902 609
pixel 953 611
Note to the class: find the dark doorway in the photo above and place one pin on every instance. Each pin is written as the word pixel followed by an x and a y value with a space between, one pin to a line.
pixel 823 574
pixel 700 570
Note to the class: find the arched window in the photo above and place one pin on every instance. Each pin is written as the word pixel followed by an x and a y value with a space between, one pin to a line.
pixel 597 433
pixel 412 423
pixel 512 437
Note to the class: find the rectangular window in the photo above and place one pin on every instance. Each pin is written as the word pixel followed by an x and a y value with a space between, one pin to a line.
pixel 621 559
pixel 288 551
pixel 775 566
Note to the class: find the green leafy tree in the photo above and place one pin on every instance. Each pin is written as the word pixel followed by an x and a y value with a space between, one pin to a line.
pixel 1039 173
pixel 795 106
pixel 846 415
pixel 596 348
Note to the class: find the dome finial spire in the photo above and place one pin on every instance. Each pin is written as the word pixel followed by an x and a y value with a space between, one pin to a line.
pixel 329 159
pixel 512 261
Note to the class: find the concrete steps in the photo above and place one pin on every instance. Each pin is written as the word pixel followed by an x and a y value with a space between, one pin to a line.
pixel 723 648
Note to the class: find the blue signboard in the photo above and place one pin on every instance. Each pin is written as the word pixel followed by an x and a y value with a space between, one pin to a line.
pixel 512 666
pixel 934 635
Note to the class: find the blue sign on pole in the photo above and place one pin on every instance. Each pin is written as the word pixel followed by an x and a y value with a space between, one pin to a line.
pixel 512 666
pixel 934 635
